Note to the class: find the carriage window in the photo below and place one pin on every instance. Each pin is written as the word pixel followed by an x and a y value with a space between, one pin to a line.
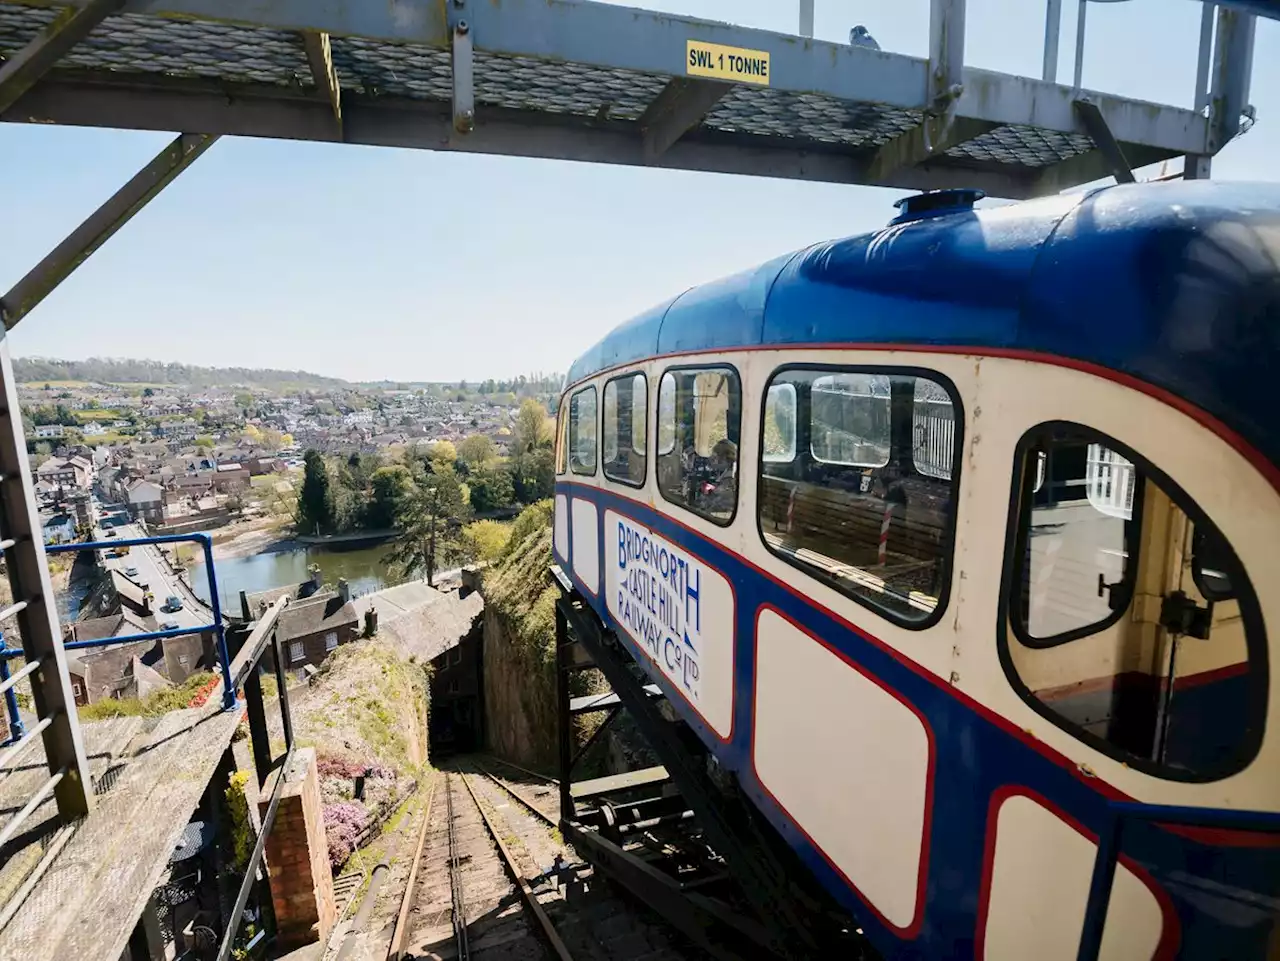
pixel 780 424
pixel 1076 575
pixel 625 408
pixel 699 420
pixel 582 431
pixel 1126 628
pixel 867 506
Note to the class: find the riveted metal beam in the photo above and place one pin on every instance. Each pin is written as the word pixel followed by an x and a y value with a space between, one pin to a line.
pixel 99 227
pixel 20 72
pixel 163 103
pixel 1094 165
pixel 320 58
pixel 1096 126
pixel 680 107
pixel 946 52
pixel 932 138
pixel 1232 68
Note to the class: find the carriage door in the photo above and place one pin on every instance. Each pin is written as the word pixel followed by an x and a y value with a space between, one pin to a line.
pixel 1133 622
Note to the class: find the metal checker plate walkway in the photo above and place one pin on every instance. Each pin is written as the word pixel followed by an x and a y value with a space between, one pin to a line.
pixel 574 80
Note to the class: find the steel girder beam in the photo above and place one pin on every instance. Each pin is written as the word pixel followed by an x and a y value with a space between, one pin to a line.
pixel 1094 165
pixel 20 72
pixel 1096 126
pixel 932 138
pixel 99 227
pixel 675 111
pixel 619 38
pixel 159 103
pixel 320 59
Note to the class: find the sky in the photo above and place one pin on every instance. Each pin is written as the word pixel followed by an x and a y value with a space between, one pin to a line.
pixel 372 263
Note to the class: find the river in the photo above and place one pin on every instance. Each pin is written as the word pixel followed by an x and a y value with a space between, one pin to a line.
pixel 364 568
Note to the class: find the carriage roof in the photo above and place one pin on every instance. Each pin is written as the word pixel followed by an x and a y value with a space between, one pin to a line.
pixel 1175 284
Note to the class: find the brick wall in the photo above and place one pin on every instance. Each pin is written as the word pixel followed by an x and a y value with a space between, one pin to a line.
pixel 298 856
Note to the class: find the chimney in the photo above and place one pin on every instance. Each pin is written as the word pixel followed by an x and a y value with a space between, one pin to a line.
pixel 344 590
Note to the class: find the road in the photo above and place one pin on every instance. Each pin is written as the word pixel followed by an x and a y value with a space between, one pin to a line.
pixel 155 573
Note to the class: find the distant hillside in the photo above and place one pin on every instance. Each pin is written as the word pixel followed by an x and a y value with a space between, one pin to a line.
pixel 113 371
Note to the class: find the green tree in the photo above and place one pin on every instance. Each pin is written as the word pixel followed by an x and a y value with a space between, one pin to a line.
pixel 477 450
pixel 531 427
pixel 442 452
pixel 486 540
pixel 390 489
pixel 315 501
pixel 146 391
pixel 536 478
pixel 432 520
pixel 492 488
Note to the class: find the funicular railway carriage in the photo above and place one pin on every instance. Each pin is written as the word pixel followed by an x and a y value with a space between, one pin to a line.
pixel 943 537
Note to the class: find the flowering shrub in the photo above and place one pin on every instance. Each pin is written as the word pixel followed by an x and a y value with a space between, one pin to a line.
pixel 202 695
pixel 330 766
pixel 343 823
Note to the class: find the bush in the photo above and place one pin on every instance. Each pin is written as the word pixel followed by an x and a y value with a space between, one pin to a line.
pixel 532 520
pixel 196 687
pixel 342 825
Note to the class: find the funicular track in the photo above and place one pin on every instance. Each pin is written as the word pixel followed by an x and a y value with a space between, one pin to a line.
pixel 494 880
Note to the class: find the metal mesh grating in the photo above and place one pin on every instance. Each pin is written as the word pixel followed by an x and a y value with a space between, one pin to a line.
pixel 141 44
pixel 774 113
pixel 1022 146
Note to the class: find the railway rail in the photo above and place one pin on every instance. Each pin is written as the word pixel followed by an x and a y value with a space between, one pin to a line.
pixel 492 879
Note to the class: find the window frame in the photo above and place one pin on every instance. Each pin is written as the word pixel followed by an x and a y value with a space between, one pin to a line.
pixel 737 487
pixel 297 652
pixel 1087 435
pixel 644 479
pixel 1246 597
pixel 957 458
pixel 562 437
pixel 844 463
pixel 334 646
pixel 795 427
pixel 595 426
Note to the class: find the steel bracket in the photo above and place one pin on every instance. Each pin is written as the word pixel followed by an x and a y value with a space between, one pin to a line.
pixel 1095 126
pixel 320 58
pixel 22 70
pixel 675 111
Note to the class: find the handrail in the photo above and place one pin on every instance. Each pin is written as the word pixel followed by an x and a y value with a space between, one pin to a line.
pixel 37 799
pixel 1104 862
pixel 206 544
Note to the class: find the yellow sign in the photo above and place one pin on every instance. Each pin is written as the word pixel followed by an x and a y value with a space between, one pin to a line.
pixel 726 63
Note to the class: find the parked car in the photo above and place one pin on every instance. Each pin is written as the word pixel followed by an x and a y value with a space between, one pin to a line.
pixel 173 603
pixel 130 572
pixel 169 626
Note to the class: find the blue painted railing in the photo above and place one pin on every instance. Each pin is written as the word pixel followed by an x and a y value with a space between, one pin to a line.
pixel 217 627
pixel 1109 847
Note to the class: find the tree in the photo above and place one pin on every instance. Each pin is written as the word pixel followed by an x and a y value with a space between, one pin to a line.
pixel 531 427
pixel 252 434
pixel 477 450
pixel 443 452
pixel 486 540
pixel 492 488
pixel 286 440
pixel 390 489
pixel 146 391
pixel 315 502
pixel 432 519
pixel 536 478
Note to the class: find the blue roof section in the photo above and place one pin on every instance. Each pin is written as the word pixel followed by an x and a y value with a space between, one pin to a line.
pixel 1177 284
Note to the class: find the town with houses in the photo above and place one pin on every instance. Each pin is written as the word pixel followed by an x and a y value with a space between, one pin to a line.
pixel 117 462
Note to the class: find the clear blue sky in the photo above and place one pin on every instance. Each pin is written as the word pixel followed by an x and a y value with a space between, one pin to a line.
pixel 369 263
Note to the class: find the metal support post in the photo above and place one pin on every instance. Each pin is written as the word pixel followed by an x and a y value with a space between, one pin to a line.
pixel 1232 66
pixel 215 602
pixel 564 720
pixel 1104 876
pixel 24 68
pixel 259 738
pixel 1052 30
pixel 282 682
pixel 464 94
pixel 1081 16
pixel 946 54
pixel 675 111
pixel 1196 167
pixel 1208 12
pixel 101 225
pixel 34 603
pixel 806 18
pixel 16 728
pixel 319 50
